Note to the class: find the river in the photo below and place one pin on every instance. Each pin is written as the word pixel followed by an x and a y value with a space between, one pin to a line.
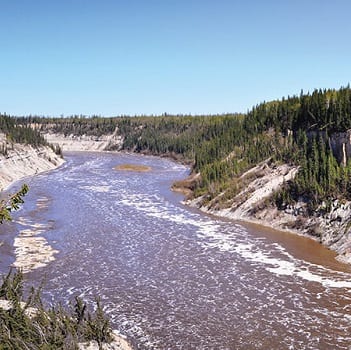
pixel 170 277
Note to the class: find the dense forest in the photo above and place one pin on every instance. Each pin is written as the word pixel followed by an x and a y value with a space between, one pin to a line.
pixel 309 123
pixel 15 132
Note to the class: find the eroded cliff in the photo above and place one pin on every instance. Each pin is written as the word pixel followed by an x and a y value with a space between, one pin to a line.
pixel 24 160
pixel 330 225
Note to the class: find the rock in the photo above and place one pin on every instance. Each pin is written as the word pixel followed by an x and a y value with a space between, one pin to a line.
pixel 118 343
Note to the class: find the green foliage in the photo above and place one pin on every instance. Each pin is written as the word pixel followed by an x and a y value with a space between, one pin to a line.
pixel 320 179
pixel 19 133
pixel 97 326
pixel 57 150
pixel 76 125
pixel 323 110
pixel 55 328
pixel 12 203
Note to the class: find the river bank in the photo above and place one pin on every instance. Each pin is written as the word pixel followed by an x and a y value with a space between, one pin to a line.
pixel 254 204
pixel 31 250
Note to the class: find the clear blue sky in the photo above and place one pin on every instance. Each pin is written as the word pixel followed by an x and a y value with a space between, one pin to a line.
pixel 112 57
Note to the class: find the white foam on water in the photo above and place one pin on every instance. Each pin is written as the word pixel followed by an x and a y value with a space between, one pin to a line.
pixel 336 284
pixel 284 265
pixel 211 235
pixel 294 267
pixel 274 258
pixel 156 207
pixel 98 189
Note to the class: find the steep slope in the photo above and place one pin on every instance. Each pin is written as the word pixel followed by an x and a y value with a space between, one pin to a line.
pixel 255 203
pixel 72 142
pixel 26 160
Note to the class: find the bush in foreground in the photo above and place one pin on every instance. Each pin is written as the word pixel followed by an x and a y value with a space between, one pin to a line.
pixel 29 325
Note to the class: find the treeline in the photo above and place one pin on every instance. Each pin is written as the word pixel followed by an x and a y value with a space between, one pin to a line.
pixel 187 137
pixel 295 130
pixel 76 125
pixel 179 135
pixel 327 110
pixel 18 133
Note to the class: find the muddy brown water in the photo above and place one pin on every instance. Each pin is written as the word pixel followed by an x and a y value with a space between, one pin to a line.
pixel 170 277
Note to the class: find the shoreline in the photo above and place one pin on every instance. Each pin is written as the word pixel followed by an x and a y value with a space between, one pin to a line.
pixel 320 229
pixel 339 247
pixel 31 249
pixel 277 225
pixel 252 204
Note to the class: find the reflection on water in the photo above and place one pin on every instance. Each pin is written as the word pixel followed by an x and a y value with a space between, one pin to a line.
pixel 172 278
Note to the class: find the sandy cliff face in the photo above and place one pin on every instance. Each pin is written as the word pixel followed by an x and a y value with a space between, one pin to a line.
pixel 330 227
pixel 24 160
pixel 84 142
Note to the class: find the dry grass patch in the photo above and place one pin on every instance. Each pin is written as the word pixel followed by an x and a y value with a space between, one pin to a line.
pixel 132 167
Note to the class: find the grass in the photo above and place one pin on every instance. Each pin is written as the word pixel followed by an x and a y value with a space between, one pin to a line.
pixel 132 167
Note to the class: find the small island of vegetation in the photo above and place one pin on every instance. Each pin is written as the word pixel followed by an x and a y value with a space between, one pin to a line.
pixel 133 167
